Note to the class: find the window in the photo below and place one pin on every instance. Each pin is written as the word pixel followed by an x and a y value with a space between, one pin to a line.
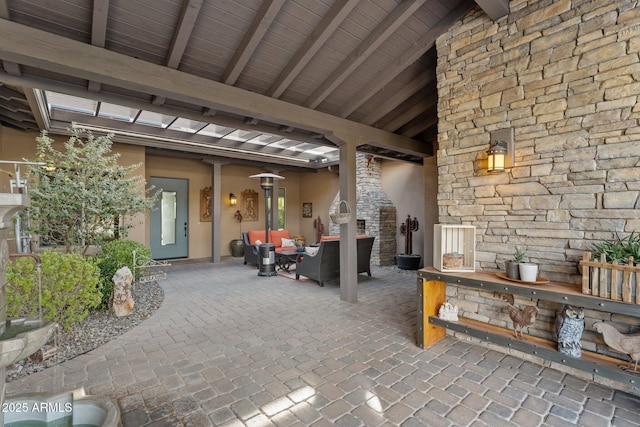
pixel 282 216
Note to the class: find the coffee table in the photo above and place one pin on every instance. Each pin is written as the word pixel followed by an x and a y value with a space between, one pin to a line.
pixel 285 259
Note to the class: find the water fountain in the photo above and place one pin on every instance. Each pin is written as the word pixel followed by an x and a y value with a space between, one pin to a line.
pixel 19 338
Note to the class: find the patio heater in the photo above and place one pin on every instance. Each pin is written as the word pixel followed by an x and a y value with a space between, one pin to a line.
pixel 267 251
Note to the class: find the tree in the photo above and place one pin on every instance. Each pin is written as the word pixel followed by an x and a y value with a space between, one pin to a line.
pixel 82 193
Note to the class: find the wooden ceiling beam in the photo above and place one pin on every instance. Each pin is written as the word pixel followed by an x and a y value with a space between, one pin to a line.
pixel 382 32
pixel 496 9
pixel 38 107
pixel 399 97
pixel 186 22
pixel 338 12
pixel 419 126
pixel 50 52
pixel 411 113
pixel 98 31
pixel 407 58
pixel 252 38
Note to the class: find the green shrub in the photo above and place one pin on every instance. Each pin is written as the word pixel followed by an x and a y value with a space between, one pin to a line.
pixel 70 287
pixel 113 256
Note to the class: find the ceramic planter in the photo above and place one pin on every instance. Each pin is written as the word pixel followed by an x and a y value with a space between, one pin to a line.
pixel 528 271
pixel 512 269
pixel 237 248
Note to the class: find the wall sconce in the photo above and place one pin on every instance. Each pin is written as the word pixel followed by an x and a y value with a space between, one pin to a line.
pixel 500 155
pixel 496 156
pixel 233 200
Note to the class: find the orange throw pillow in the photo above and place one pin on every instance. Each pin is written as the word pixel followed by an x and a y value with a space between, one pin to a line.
pixel 276 236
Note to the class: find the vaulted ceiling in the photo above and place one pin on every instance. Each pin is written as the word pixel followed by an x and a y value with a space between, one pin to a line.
pixel 300 73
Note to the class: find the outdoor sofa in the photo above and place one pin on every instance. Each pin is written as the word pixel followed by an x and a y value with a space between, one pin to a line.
pixel 325 264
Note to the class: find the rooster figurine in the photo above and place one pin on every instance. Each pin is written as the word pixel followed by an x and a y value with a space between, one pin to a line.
pixel 520 317
pixel 627 344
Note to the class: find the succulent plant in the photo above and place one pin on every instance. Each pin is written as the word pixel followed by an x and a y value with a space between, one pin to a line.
pixel 618 249
pixel 519 255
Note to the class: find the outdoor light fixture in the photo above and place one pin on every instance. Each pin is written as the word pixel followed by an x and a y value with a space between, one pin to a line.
pixel 500 155
pixel 233 200
pixel 496 156
pixel 266 251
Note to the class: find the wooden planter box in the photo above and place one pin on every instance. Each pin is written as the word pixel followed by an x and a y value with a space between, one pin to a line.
pixel 620 282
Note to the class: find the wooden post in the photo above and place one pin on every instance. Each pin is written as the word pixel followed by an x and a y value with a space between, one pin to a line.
pixel 614 281
pixel 586 257
pixel 431 295
pixel 603 278
pixel 626 283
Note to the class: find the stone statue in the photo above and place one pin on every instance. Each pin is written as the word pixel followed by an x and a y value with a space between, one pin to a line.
pixel 121 302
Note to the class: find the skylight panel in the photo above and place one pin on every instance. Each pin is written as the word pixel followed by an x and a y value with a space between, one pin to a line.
pixel 151 118
pixel 216 131
pixel 117 112
pixel 242 135
pixel 70 103
pixel 186 125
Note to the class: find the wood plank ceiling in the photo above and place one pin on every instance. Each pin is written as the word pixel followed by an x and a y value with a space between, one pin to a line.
pixel 309 71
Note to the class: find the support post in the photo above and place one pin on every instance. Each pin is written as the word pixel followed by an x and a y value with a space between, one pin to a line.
pixel 216 197
pixel 348 243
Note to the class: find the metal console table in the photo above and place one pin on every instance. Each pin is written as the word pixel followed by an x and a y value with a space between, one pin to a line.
pixel 432 294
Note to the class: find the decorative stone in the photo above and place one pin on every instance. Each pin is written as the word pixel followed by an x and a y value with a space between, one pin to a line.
pixel 121 301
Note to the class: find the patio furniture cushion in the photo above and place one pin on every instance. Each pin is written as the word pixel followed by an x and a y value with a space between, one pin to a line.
pixel 252 237
pixel 275 237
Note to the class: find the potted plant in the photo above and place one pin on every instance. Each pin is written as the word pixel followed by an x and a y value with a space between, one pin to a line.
pixel 512 266
pixel 236 245
pixel 528 271
pixel 615 262
pixel 408 260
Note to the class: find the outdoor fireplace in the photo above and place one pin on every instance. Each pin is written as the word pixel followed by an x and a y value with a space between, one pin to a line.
pixel 375 213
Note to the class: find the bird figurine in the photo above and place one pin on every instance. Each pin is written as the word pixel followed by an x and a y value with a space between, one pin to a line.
pixel 627 344
pixel 569 327
pixel 520 317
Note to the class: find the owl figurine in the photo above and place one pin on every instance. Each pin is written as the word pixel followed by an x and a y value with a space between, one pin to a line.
pixel 569 327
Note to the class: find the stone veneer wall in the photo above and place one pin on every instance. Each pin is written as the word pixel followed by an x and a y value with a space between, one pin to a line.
pixel 565 75
pixel 375 207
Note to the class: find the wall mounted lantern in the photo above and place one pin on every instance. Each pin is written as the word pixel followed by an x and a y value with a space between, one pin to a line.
pixel 233 200
pixel 500 155
pixel 496 156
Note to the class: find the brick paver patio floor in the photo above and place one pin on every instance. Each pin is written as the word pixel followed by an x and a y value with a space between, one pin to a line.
pixel 231 348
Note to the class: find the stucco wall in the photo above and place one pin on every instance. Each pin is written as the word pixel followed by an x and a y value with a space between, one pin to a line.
pixel 318 188
pixel 565 79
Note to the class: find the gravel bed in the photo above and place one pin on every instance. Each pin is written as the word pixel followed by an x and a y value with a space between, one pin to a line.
pixel 98 328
